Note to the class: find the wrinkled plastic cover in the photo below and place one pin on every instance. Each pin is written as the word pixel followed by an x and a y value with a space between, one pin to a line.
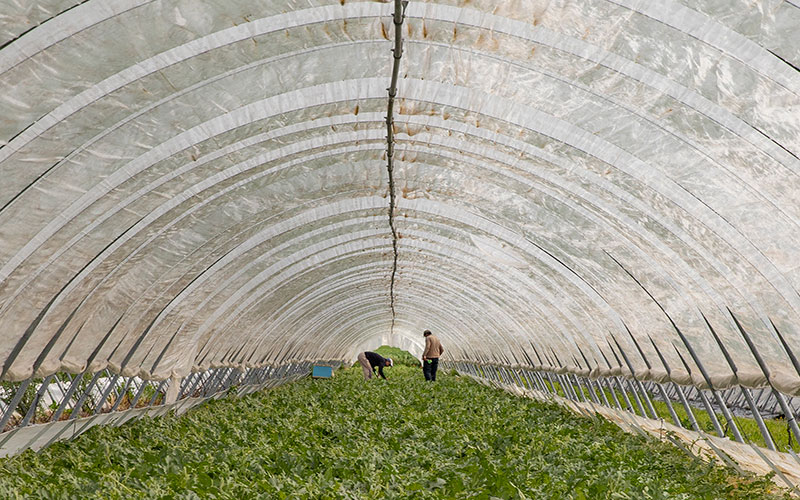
pixel 187 184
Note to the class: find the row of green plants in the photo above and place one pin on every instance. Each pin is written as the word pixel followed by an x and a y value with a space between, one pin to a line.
pixel 778 428
pixel 350 438
pixel 399 356
pixel 44 413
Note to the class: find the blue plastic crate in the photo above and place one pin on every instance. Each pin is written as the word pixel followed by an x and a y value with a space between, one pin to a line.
pixel 322 371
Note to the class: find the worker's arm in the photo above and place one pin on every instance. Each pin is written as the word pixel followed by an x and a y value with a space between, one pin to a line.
pixel 427 348
pixel 441 349
pixel 380 371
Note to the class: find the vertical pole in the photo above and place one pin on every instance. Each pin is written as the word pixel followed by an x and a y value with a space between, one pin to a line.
pixel 762 427
pixel 139 392
pixel 547 388
pixel 687 406
pixel 635 382
pixel 532 382
pixel 624 394
pixel 745 392
pixel 209 383
pixel 786 347
pixel 102 401
pixel 76 410
pixel 519 379
pixel 12 405
pixel 676 388
pixel 725 412
pixel 635 394
pixel 31 413
pixel 709 409
pixel 633 374
pixel 193 387
pixel 155 394
pixel 790 420
pixel 121 394
pixel 672 412
pixel 601 391
pixel 612 391
pixel 567 386
pixel 646 398
pixel 579 392
pixel 590 390
pixel 73 386
pixel 552 384
pixel 660 387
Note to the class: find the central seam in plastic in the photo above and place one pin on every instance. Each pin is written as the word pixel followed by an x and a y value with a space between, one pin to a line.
pixel 397 52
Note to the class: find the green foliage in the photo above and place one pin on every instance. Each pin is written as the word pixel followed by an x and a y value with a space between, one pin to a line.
pixel 351 438
pixel 10 390
pixel 399 356
pixel 778 428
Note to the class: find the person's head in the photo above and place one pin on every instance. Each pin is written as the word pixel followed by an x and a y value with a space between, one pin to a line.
pixel 426 333
pixel 389 362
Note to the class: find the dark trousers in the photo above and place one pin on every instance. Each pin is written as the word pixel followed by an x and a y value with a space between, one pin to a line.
pixel 429 368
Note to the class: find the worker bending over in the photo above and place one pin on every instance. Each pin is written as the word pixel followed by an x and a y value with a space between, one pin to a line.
pixel 370 360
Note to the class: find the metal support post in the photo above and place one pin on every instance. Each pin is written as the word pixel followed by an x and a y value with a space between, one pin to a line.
pixel 787 410
pixel 12 405
pixel 222 381
pixel 624 394
pixel 553 385
pixel 636 397
pixel 612 391
pixel 186 386
pixel 159 389
pixel 539 382
pixel 211 382
pixel 599 389
pixel 687 407
pixel 723 407
pixel 518 378
pixel 104 394
pixel 73 386
pixel 590 390
pixel 677 388
pixel 547 389
pixel 563 386
pixel 192 387
pixel 76 410
pixel 567 387
pixel 672 413
pixel 501 376
pixel 762 427
pixel 31 413
pixel 646 398
pixel 138 393
pixel 711 414
pixel 633 374
pixel 579 392
pixel 121 394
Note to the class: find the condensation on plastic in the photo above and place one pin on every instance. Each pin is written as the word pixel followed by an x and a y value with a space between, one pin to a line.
pixel 188 186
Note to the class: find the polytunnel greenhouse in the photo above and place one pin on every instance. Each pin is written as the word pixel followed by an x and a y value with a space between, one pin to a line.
pixel 594 205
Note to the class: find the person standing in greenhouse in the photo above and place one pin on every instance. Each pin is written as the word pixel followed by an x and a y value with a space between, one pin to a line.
pixel 430 357
pixel 370 360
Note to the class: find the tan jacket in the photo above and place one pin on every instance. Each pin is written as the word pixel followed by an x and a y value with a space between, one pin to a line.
pixel 433 348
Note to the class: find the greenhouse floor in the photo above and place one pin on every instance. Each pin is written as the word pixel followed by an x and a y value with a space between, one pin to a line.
pixel 349 438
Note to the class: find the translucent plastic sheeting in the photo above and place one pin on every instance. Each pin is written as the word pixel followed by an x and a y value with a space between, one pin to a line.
pixel 189 185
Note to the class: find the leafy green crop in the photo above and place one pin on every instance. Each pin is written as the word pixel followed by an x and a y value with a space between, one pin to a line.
pixel 778 428
pixel 399 356
pixel 351 438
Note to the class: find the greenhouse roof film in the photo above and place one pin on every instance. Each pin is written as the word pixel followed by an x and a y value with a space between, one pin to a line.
pixel 601 189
